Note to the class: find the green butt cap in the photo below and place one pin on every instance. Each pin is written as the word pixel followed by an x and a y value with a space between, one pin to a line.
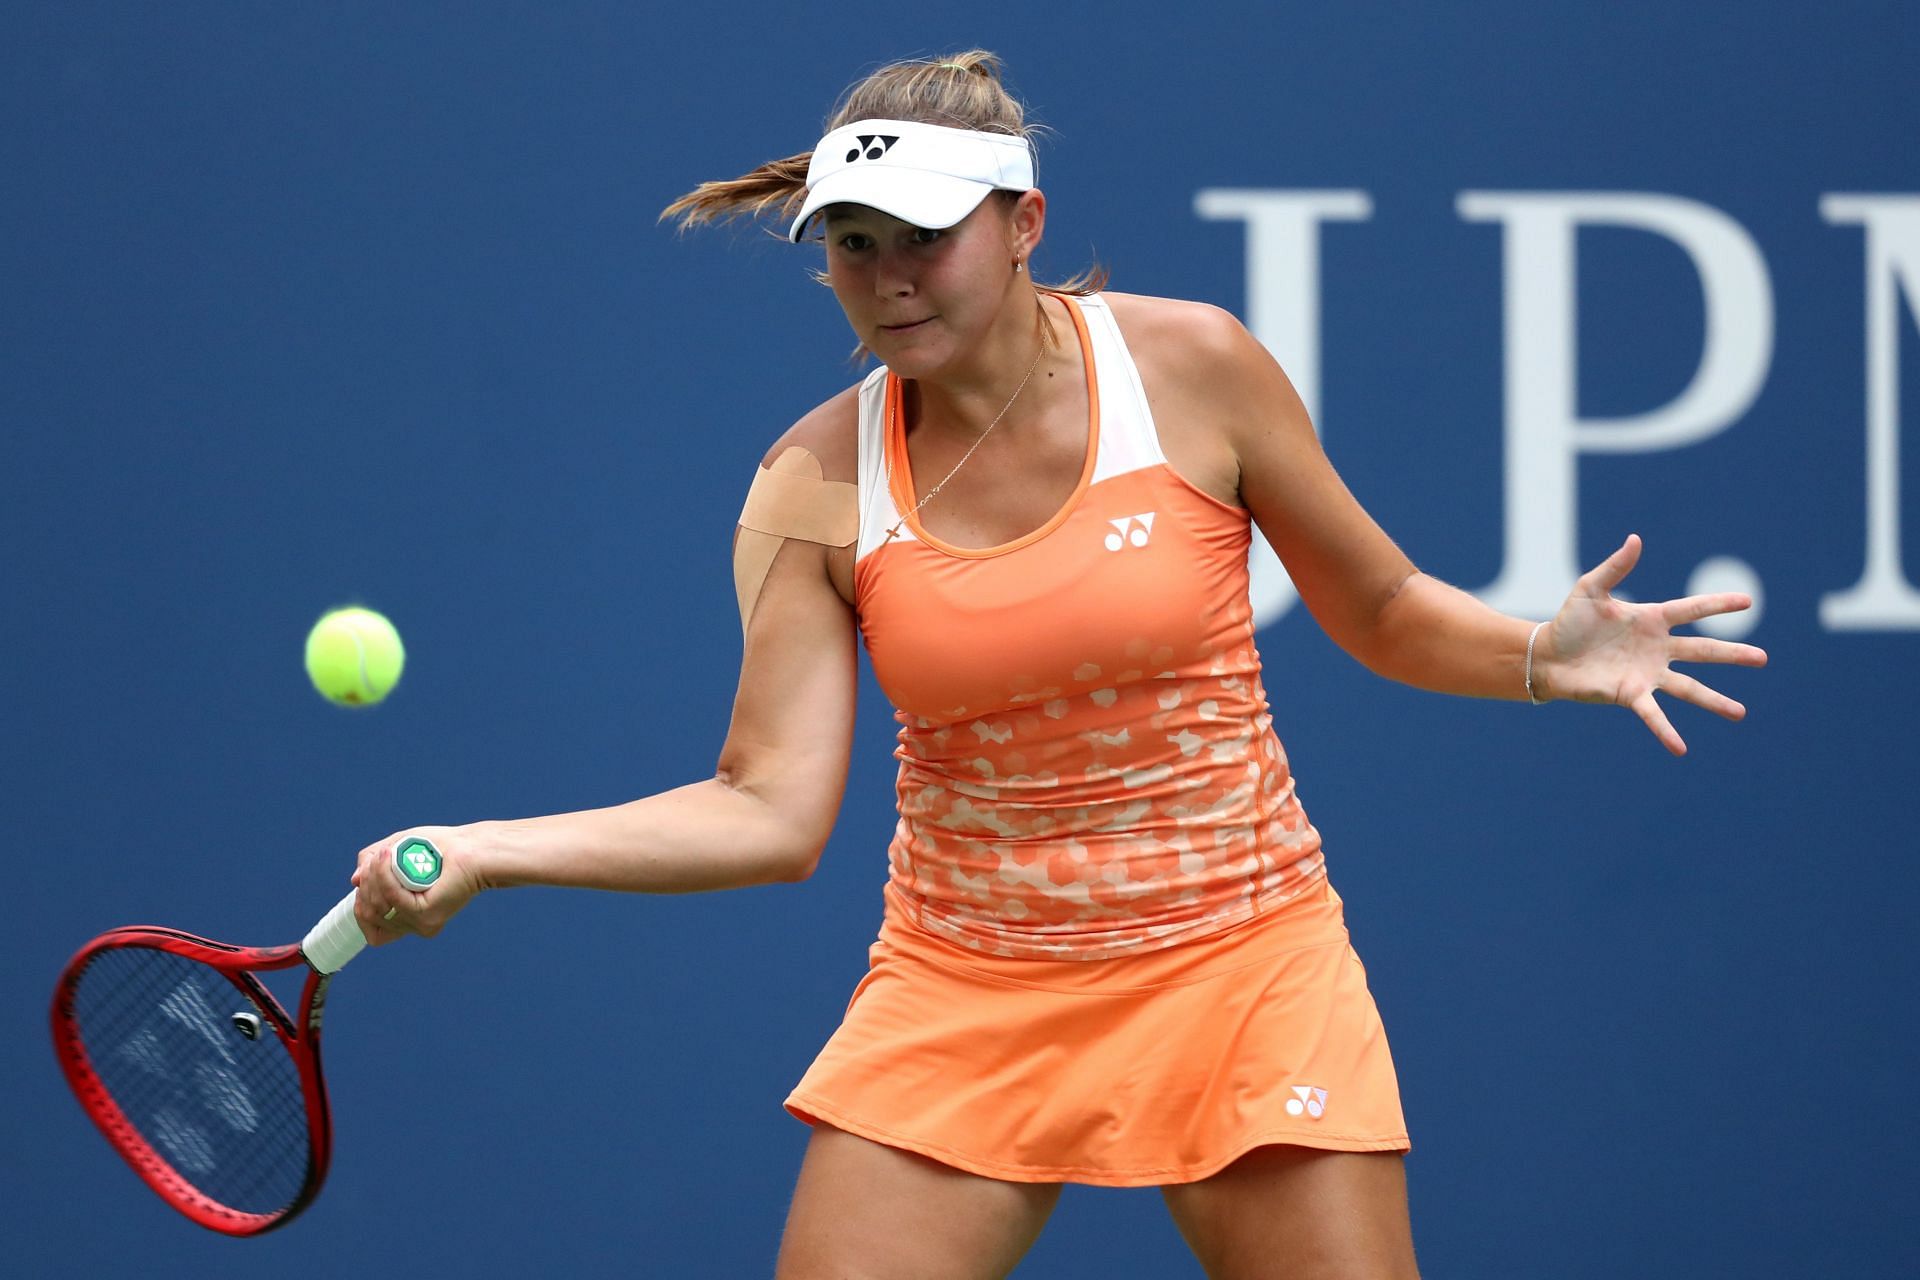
pixel 418 862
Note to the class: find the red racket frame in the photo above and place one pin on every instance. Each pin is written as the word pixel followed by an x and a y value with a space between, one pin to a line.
pixel 300 1036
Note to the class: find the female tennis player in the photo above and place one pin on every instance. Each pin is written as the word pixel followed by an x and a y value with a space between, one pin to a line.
pixel 1110 951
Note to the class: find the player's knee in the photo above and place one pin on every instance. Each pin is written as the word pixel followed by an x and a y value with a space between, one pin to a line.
pixel 863 1210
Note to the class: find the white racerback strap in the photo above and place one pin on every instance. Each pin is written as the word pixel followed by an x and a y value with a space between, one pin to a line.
pixel 1128 438
pixel 877 511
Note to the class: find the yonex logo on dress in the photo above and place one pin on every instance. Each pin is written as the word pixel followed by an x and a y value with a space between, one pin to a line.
pixel 1307 1100
pixel 1130 529
pixel 872 146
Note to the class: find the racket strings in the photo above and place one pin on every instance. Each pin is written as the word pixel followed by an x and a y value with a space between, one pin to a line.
pixel 226 1112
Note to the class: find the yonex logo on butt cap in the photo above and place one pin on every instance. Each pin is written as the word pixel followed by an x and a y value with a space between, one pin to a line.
pixel 417 861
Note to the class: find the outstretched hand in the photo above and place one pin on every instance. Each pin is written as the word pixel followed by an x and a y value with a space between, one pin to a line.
pixel 1599 649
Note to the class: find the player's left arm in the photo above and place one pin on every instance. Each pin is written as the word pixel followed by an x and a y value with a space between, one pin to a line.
pixel 1408 625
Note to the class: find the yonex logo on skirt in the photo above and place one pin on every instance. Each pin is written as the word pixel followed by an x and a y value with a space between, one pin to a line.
pixel 1307 1100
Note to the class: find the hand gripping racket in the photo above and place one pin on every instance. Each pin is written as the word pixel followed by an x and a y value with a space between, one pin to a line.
pixel 195 1072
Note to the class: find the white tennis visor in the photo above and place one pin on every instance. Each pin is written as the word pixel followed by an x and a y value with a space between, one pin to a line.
pixel 925 174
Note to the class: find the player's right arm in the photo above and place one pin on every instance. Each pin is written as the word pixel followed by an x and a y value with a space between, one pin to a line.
pixel 765 814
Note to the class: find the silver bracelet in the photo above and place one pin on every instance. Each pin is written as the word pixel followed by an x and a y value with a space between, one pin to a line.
pixel 1531 637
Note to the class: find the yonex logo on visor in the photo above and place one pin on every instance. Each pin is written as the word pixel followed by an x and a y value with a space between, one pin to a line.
pixel 872 146
pixel 926 174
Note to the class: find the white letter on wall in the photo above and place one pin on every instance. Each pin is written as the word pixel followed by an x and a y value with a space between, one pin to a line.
pixel 1283 312
pixel 1544 433
pixel 1883 598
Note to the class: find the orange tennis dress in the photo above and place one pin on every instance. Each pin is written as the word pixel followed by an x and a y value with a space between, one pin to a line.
pixel 1110 953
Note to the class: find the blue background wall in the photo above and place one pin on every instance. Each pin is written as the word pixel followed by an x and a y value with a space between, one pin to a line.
pixel 369 304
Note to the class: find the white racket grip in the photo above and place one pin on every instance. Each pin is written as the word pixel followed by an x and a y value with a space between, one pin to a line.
pixel 336 939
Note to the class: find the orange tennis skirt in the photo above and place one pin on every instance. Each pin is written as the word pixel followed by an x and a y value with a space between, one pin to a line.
pixel 1135 1071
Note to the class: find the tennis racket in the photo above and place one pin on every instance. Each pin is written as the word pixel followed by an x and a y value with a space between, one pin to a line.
pixel 195 1073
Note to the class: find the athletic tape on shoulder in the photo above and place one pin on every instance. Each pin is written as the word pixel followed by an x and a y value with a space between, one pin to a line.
pixel 789 499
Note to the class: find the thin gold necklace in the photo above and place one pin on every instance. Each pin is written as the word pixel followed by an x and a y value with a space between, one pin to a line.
pixel 891 533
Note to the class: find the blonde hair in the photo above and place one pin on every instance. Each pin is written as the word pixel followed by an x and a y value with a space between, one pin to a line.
pixel 959 90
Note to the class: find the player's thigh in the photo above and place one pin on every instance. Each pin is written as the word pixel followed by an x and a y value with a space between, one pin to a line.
pixel 1290 1213
pixel 864 1211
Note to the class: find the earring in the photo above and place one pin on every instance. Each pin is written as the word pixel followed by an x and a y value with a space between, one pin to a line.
pixel 1016 266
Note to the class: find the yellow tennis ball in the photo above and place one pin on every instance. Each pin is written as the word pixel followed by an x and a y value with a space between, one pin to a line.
pixel 354 657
